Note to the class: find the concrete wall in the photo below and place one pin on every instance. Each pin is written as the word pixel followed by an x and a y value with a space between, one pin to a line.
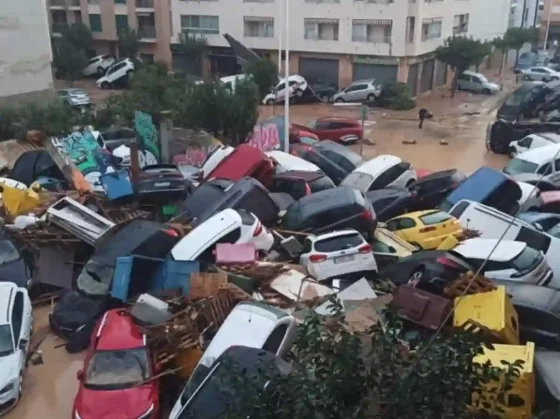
pixel 489 19
pixel 25 50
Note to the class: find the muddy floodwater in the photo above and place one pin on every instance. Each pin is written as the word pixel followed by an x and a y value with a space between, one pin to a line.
pixel 49 388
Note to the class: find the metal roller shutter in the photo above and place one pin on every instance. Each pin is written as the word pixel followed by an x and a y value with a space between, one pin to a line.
pixel 379 72
pixel 412 79
pixel 427 78
pixel 441 73
pixel 319 70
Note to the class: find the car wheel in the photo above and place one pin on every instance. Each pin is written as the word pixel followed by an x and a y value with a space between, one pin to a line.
pixel 526 78
pixel 410 182
pixel 416 276
pixel 325 98
pixel 129 74
pixel 487 92
pixel 371 98
pixel 100 70
pixel 270 102
pixel 105 85
pixel 299 93
pixel 339 100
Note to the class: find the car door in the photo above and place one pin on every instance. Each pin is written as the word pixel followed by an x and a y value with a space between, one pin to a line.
pixel 353 92
pixel 20 337
pixel 555 176
pixel 539 326
pixel 476 84
pixel 361 92
pixel 280 91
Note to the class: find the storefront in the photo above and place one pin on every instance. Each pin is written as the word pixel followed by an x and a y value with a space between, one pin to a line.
pixel 383 70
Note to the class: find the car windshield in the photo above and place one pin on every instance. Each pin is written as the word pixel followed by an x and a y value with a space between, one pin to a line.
pixel 8 253
pixel 118 369
pixel 527 259
pixel 517 166
pixel 312 124
pixel 6 341
pixel 482 78
pixel 358 180
pixel 200 373
pixel 307 140
pixel 435 218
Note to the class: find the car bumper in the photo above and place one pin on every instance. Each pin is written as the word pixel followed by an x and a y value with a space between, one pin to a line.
pixel 9 399
pixel 332 270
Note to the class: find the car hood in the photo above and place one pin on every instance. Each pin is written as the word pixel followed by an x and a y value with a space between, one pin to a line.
pixel 114 404
pixel 8 368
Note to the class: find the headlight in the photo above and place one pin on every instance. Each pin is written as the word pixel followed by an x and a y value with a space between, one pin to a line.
pixel 148 413
pixel 8 387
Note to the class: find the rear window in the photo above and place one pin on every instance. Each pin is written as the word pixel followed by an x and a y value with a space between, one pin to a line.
pixel 435 218
pixel 459 209
pixel 527 259
pixel 338 243
pixel 534 239
pixel 320 184
pixel 247 218
pixel 201 199
pixel 517 166
pixel 358 180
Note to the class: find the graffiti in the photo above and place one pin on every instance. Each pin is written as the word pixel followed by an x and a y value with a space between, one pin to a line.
pixel 147 133
pixel 82 149
pixel 194 156
pixel 265 137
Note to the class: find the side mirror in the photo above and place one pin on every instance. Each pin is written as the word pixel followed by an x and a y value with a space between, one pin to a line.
pixel 22 344
pixel 80 375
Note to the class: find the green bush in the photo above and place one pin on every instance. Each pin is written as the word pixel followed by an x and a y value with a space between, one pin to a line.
pixel 396 96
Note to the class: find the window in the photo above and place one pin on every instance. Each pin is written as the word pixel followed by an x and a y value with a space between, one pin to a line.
pixel 545 170
pixel 117 369
pixel 95 23
pixel 435 218
pixel 517 166
pixel 247 218
pixel 200 24
pixel 355 88
pixel 557 165
pixel 275 339
pixel 526 142
pixel 334 244
pixel 120 1
pixel 58 20
pixel 295 188
pixel 77 16
pixel 464 77
pixel 459 209
pixel 121 22
pixel 346 165
pixel 431 29
pixel 401 224
pixel 259 28
pixel 363 31
pixel 380 247
pixel 461 24
pixel 6 341
pixel 321 29
pixel 17 316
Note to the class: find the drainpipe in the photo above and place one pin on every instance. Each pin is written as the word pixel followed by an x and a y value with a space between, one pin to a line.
pixel 536 12
pixel 523 13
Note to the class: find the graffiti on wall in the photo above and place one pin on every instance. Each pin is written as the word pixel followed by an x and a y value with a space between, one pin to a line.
pixel 194 155
pixel 147 133
pixel 269 135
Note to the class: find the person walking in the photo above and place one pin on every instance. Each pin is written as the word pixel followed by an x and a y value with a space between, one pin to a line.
pixel 422 115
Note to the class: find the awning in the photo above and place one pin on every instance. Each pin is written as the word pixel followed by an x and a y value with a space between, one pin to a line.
pixel 321 21
pixel 433 20
pixel 258 19
pixel 376 22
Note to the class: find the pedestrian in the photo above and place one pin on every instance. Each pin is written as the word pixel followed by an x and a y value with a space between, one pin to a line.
pixel 422 115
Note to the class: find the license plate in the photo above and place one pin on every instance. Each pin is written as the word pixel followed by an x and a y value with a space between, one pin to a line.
pixel 161 184
pixel 343 259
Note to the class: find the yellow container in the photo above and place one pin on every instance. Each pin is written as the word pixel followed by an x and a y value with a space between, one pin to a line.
pixel 521 398
pixel 492 310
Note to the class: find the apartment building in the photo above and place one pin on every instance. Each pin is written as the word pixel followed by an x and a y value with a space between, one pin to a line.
pixel 525 13
pixel 25 66
pixel 105 18
pixel 551 10
pixel 331 41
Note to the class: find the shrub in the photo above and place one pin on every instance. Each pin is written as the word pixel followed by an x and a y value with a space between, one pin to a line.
pixel 396 96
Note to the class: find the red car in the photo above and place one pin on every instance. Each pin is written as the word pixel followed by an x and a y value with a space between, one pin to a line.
pixel 335 128
pixel 117 361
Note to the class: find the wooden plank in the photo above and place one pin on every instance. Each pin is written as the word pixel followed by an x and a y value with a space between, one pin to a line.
pixel 204 284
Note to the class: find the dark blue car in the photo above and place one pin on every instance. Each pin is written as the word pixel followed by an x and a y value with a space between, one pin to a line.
pixel 549 223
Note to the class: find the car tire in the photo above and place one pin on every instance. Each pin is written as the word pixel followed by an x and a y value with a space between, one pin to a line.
pixel 105 85
pixel 339 100
pixel 100 70
pixel 370 98
pixel 129 74
pixel 270 102
pixel 298 93
pixel 416 275
pixel 325 98
pixel 487 92
pixel 526 78
pixel 410 182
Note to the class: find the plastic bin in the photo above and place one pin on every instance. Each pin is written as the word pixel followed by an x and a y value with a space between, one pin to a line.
pixel 235 254
pixel 492 310
pixel 521 398
pixel 117 185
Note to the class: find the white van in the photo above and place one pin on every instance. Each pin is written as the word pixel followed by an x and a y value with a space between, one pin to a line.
pixel 492 223
pixel 230 82
pixel 543 161
pixel 251 324
pixel 533 141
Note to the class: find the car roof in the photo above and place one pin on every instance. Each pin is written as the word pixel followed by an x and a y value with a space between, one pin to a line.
pixel 337 119
pixel 328 198
pixel 378 164
pixel 385 193
pixel 340 149
pixel 287 159
pixel 437 175
pixel 540 155
pixel 479 248
pixel 362 81
pixel 479 185
pixel 551 136
pixel 550 197
pixel 333 234
pixel 300 175
pixel 117 331
pixel 531 295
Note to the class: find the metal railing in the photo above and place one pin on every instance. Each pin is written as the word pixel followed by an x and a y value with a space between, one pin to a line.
pixel 147 4
pixel 58 3
pixel 147 32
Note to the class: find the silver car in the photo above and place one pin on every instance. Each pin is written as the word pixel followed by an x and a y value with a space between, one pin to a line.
pixel 539 73
pixel 74 97
pixel 358 91
pixel 476 82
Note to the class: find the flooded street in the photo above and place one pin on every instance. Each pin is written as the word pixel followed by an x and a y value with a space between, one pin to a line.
pixel 49 389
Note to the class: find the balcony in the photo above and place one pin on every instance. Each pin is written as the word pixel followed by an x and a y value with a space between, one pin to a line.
pixel 57 3
pixel 147 33
pixel 144 4
pixel 74 3
pixel 58 27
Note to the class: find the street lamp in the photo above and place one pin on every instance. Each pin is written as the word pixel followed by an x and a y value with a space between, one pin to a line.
pixel 550 4
pixel 286 75
pixel 280 27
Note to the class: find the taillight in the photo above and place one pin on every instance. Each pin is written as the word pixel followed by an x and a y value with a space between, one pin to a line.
pixel 427 229
pixel 317 258
pixel 307 190
pixel 446 262
pixel 366 248
pixel 171 232
pixel 366 214
pixel 258 230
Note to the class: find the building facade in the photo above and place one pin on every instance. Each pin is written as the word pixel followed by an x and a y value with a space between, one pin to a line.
pixel 25 66
pixel 525 13
pixel 150 18
pixel 332 41
pixel 551 10
pixel 490 19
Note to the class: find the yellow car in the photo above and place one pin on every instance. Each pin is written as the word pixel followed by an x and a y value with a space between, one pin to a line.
pixel 425 229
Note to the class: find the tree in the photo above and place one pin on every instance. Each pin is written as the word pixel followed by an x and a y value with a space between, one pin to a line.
pixel 129 44
pixel 516 38
pixel 483 50
pixel 459 53
pixel 193 48
pixel 265 75
pixel 502 45
pixel 68 60
pixel 78 35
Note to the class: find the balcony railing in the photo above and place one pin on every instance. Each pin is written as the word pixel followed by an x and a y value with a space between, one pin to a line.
pixel 147 32
pixel 376 39
pixel 58 3
pixel 146 4
pixel 75 3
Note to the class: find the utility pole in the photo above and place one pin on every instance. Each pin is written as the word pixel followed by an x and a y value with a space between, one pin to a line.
pixel 280 28
pixel 286 75
pixel 523 15
pixel 536 12
pixel 550 4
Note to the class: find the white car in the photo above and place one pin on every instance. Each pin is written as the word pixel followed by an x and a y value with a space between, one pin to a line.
pixel 297 85
pixel 530 197
pixel 16 327
pixel 98 65
pixel 286 162
pixel 115 73
pixel 251 324
pixel 509 260
pixel 214 158
pixel 542 161
pixel 539 74
pixel 533 141
pixel 337 254
pixel 381 172
pixel 227 226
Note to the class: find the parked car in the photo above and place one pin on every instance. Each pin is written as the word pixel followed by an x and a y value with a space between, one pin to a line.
pixel 381 172
pixel 551 105
pixel 297 86
pixel 299 183
pixel 388 248
pixel 335 160
pixel 359 90
pixel 425 229
pixel 204 196
pixel 212 396
pixel 112 138
pixel 533 141
pixel 16 328
pixel 523 101
pixel 390 202
pixel 227 226
pixel 432 188
pixel 74 97
pixel 214 158
pixel 487 186
pixel 284 162
pixel 549 223
pixel 98 65
pixel 117 377
pixel 507 260
pixel 539 74
pixel 245 160
pixel 534 179
pixel 14 265
pixel 540 298
pixel 329 210
pixel 340 254
pixel 160 182
pixel 476 82
pixel 339 129
pixel 118 73
pixel 543 161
